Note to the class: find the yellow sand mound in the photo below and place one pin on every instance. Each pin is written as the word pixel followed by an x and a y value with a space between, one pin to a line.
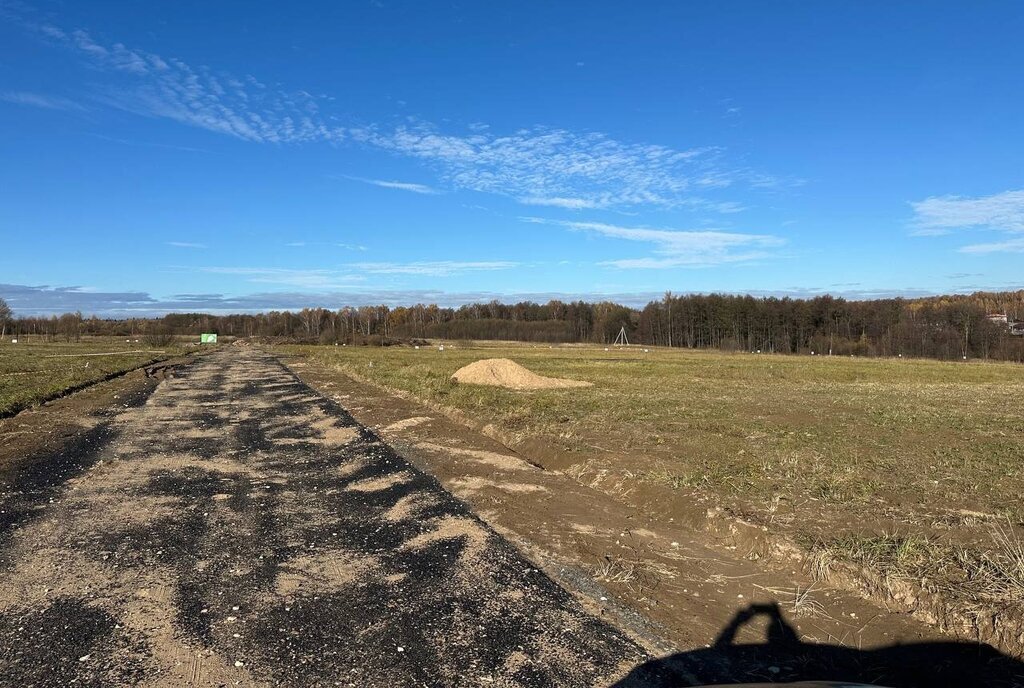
pixel 502 372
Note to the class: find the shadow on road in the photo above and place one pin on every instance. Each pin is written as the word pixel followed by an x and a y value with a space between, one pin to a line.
pixel 784 657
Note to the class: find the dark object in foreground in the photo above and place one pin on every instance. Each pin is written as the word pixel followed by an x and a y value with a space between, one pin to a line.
pixel 784 657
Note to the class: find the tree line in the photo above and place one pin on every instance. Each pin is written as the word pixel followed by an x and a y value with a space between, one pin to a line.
pixel 944 327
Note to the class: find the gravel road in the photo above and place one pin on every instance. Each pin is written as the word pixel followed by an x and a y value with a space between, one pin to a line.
pixel 237 528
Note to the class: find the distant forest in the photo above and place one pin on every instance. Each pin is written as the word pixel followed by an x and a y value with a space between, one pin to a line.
pixel 944 327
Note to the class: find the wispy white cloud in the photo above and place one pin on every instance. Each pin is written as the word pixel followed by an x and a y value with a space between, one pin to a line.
pixel 148 84
pixel 679 248
pixel 1008 246
pixel 561 202
pixel 402 186
pixel 352 247
pixel 543 166
pixel 46 300
pixel 943 214
pixel 348 275
pixel 308 279
pixel 537 166
pixel 40 101
pixel 442 268
pixel 185 244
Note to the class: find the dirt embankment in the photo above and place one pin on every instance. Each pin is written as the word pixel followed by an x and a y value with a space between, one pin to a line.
pixel 47 428
pixel 664 573
pixel 970 594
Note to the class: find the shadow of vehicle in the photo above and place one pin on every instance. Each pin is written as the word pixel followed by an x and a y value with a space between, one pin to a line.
pixel 783 657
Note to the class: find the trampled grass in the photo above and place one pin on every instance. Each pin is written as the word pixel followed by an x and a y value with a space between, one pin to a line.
pixel 33 371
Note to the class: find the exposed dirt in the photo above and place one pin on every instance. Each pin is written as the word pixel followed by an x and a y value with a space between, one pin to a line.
pixel 663 574
pixel 46 445
pixel 232 526
pixel 154 368
pixel 239 528
pixel 870 520
pixel 503 372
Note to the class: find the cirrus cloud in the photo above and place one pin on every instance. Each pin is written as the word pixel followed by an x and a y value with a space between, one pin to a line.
pixel 1008 246
pixel 943 214
pixel 546 166
pixel 440 268
pixel 401 186
pixel 39 100
pixel 675 248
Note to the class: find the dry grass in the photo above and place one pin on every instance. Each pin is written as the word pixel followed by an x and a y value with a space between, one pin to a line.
pixel 906 556
pixel 835 431
pixel 615 569
pixel 799 601
pixel 831 452
pixel 31 371
pixel 1003 565
pixel 992 574
pixel 638 574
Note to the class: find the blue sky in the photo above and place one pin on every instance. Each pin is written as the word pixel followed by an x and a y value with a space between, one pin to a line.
pixel 229 155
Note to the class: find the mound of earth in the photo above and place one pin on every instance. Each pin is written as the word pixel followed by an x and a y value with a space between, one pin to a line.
pixel 502 372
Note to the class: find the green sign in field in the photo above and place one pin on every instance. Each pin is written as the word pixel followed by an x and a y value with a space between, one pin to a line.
pixel 208 338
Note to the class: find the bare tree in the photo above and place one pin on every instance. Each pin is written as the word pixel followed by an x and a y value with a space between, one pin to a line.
pixel 6 317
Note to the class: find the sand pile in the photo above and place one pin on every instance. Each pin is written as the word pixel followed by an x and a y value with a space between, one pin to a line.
pixel 502 372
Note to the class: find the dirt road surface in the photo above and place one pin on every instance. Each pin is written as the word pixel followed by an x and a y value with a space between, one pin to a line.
pixel 236 527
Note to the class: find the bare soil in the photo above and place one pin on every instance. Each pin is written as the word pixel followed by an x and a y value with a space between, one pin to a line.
pixel 662 572
pixel 237 528
pixel 232 526
pixel 899 480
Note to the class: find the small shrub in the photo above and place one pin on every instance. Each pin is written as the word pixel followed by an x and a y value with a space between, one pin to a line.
pixel 159 337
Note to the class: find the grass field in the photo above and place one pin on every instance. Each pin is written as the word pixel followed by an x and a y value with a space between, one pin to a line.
pixel 34 371
pixel 900 464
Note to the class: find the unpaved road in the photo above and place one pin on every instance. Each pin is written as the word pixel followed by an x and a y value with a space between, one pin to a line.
pixel 239 528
